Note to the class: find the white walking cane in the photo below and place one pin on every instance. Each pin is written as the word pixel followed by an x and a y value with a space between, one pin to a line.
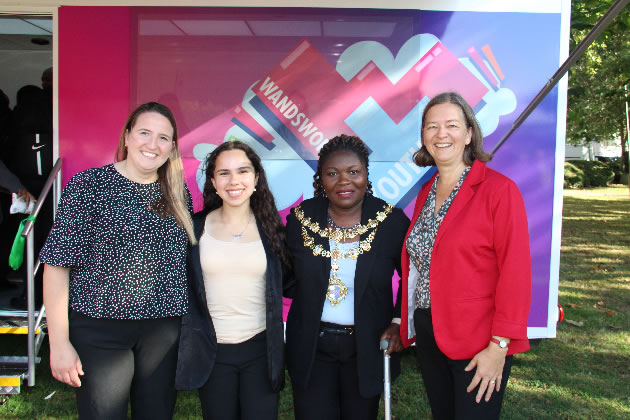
pixel 386 381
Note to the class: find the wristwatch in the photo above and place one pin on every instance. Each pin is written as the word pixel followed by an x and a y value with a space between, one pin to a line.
pixel 501 343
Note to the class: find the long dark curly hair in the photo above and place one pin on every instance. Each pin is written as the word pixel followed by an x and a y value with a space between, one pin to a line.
pixel 261 202
pixel 341 142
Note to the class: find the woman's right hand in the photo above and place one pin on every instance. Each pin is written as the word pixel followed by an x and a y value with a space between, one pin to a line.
pixel 65 364
pixel 64 360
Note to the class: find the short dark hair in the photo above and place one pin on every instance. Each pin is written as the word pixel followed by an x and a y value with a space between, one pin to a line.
pixel 341 142
pixel 474 150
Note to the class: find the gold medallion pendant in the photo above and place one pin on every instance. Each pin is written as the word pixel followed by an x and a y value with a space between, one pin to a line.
pixel 337 291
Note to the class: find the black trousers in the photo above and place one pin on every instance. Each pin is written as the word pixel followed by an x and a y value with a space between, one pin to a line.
pixel 8 228
pixel 123 359
pixel 333 388
pixel 446 381
pixel 239 387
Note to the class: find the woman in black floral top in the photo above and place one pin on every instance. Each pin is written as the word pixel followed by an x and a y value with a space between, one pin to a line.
pixel 466 268
pixel 116 258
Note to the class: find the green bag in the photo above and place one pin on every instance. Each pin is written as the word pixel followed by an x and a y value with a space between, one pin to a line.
pixel 17 250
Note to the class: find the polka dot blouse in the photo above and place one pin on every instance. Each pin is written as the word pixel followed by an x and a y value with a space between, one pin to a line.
pixel 126 262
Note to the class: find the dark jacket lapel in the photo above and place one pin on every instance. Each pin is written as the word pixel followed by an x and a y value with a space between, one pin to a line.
pixel 364 262
pixel 196 275
pixel 273 268
pixel 321 217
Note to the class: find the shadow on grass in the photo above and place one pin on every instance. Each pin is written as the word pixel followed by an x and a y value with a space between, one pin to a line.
pixel 563 378
pixel 596 242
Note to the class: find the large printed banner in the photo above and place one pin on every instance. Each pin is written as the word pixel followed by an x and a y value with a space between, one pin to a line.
pixel 287 80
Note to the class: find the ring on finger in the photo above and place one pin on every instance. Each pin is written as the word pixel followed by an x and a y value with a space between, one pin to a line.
pixel 494 381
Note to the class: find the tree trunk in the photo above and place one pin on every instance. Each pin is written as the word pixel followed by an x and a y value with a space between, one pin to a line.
pixel 624 147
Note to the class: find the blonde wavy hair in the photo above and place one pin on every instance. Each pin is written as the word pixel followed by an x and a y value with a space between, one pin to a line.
pixel 174 200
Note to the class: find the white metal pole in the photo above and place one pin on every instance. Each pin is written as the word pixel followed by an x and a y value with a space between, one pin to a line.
pixel 30 304
pixel 387 398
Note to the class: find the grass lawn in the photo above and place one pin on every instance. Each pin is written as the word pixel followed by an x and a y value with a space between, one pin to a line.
pixel 584 373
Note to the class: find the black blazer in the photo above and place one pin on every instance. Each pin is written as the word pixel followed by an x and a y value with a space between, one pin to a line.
pixel 198 340
pixel 373 307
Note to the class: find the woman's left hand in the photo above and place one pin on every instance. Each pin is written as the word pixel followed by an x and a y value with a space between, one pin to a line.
pixel 489 363
pixel 26 196
pixel 392 333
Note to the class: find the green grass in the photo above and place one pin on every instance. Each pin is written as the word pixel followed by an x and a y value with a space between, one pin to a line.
pixel 584 373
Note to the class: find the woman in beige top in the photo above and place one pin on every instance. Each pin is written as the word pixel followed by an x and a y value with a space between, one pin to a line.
pixel 232 340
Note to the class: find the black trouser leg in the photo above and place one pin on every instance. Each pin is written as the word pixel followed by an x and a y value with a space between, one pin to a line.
pixel 446 381
pixel 239 386
pixel 436 373
pixel 123 356
pixel 153 392
pixel 333 388
pixel 8 230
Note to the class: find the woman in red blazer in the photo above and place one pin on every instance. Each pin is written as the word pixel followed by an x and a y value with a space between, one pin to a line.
pixel 466 268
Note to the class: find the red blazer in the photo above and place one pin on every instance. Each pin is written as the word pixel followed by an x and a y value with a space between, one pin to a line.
pixel 480 275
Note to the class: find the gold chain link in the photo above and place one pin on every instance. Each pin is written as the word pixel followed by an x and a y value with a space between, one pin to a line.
pixel 338 235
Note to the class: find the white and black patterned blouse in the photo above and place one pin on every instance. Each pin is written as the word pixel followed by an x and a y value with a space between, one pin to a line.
pixel 126 262
pixel 422 237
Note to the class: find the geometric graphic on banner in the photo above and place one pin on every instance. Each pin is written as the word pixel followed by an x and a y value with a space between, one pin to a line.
pixel 292 110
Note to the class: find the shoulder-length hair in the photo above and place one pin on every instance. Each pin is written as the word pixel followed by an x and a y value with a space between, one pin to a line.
pixel 174 200
pixel 474 150
pixel 262 202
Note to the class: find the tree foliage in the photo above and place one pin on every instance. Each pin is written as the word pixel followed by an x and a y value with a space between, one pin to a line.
pixel 596 96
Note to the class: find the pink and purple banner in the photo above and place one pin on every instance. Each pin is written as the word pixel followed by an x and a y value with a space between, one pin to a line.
pixel 286 80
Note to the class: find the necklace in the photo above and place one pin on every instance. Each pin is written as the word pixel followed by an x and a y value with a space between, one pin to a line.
pixel 237 235
pixel 149 201
pixel 337 290
pixel 350 229
pixel 338 235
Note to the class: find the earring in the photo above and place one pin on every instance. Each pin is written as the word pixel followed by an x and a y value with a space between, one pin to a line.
pixel 254 189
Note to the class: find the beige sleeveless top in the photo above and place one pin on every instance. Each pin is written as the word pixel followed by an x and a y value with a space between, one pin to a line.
pixel 234 279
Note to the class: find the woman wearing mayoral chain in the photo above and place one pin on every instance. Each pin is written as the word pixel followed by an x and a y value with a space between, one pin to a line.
pixel 345 245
